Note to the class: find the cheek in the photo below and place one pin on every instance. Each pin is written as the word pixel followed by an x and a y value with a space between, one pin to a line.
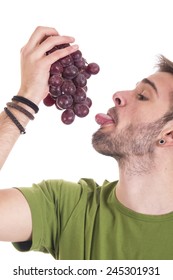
pixel 129 116
pixel 142 114
pixel 136 115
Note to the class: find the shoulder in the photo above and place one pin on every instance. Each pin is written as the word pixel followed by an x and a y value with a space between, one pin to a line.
pixel 69 193
pixel 85 186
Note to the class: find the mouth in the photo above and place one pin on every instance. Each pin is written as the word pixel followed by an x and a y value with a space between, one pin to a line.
pixel 106 119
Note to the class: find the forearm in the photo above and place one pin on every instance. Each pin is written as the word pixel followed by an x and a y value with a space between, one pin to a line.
pixel 9 132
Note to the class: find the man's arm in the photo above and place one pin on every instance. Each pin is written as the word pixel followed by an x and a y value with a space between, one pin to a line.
pixel 35 66
pixel 9 133
pixel 15 217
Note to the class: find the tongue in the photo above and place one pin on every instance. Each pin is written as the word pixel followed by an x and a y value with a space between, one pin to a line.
pixel 103 119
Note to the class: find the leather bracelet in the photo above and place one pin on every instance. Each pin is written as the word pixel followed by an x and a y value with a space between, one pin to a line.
pixel 15 121
pixel 26 102
pixel 21 109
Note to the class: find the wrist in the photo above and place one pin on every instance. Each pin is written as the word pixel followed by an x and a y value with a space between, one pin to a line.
pixel 30 96
pixel 21 115
pixel 26 101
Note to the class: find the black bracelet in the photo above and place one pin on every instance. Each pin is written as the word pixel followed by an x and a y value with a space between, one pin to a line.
pixel 26 102
pixel 21 109
pixel 15 121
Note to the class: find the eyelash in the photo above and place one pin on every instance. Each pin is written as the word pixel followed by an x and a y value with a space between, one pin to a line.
pixel 142 97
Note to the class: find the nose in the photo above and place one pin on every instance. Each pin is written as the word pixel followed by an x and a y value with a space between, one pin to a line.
pixel 119 98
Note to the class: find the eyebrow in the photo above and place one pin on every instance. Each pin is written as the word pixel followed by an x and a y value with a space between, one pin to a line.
pixel 149 82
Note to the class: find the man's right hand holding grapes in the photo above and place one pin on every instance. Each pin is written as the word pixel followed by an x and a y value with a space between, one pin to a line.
pixel 35 64
pixel 35 71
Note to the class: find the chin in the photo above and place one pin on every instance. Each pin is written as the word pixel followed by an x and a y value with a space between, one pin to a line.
pixel 101 143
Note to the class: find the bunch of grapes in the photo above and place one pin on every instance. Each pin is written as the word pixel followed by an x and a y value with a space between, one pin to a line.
pixel 68 85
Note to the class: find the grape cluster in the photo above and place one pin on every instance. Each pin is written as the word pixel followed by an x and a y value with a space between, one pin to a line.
pixel 68 85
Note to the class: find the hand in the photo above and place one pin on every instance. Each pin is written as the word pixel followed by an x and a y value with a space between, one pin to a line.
pixel 35 64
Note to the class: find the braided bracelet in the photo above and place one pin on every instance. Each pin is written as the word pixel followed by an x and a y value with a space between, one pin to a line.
pixel 21 109
pixel 15 121
pixel 26 102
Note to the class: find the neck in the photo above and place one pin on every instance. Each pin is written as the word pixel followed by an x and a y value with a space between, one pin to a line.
pixel 146 190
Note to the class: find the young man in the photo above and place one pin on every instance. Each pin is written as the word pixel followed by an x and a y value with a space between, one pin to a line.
pixel 128 219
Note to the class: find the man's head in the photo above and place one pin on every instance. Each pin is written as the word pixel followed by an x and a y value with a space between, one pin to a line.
pixel 139 118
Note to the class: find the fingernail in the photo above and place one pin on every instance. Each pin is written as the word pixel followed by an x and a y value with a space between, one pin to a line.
pixel 75 47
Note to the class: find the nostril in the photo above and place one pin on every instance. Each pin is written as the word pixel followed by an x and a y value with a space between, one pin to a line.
pixel 120 98
pixel 117 101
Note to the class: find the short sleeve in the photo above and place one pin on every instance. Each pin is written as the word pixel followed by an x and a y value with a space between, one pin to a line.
pixel 52 203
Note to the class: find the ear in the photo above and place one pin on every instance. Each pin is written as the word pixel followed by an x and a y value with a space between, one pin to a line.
pixel 167 134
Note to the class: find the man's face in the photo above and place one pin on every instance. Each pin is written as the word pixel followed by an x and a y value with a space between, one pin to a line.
pixel 136 118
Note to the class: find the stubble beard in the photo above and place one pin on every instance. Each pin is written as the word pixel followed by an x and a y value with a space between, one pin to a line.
pixel 133 147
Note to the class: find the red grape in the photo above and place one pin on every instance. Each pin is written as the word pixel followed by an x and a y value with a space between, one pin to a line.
pixel 68 85
pixel 55 91
pixel 80 95
pixel 80 64
pixel 76 55
pixel 64 101
pixel 81 110
pixel 87 102
pixel 70 72
pixel 85 73
pixel 93 68
pixel 48 100
pixel 57 106
pixel 56 68
pixel 55 80
pixel 80 80
pixel 66 61
pixel 68 116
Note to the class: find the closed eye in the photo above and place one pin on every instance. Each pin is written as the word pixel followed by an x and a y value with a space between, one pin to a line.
pixel 142 97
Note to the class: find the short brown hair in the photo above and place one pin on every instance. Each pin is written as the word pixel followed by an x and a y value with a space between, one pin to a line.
pixel 164 64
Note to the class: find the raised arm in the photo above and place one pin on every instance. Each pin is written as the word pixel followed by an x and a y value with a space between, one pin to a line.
pixel 35 66
pixel 15 217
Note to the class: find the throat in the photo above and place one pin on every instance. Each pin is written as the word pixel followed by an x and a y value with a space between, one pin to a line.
pixel 145 194
pixel 136 165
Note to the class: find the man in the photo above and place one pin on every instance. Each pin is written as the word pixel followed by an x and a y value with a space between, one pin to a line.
pixel 128 219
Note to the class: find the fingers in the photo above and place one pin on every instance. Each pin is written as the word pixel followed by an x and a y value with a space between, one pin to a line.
pixel 56 55
pixel 44 39
pixel 51 42
pixel 39 35
pixel 35 64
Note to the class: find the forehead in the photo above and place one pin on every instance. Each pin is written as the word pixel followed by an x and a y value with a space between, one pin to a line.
pixel 163 82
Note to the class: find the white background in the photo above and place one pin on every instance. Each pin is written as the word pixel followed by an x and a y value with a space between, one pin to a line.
pixel 123 37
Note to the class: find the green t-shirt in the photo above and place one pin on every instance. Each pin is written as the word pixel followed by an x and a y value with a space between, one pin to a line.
pixel 84 221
